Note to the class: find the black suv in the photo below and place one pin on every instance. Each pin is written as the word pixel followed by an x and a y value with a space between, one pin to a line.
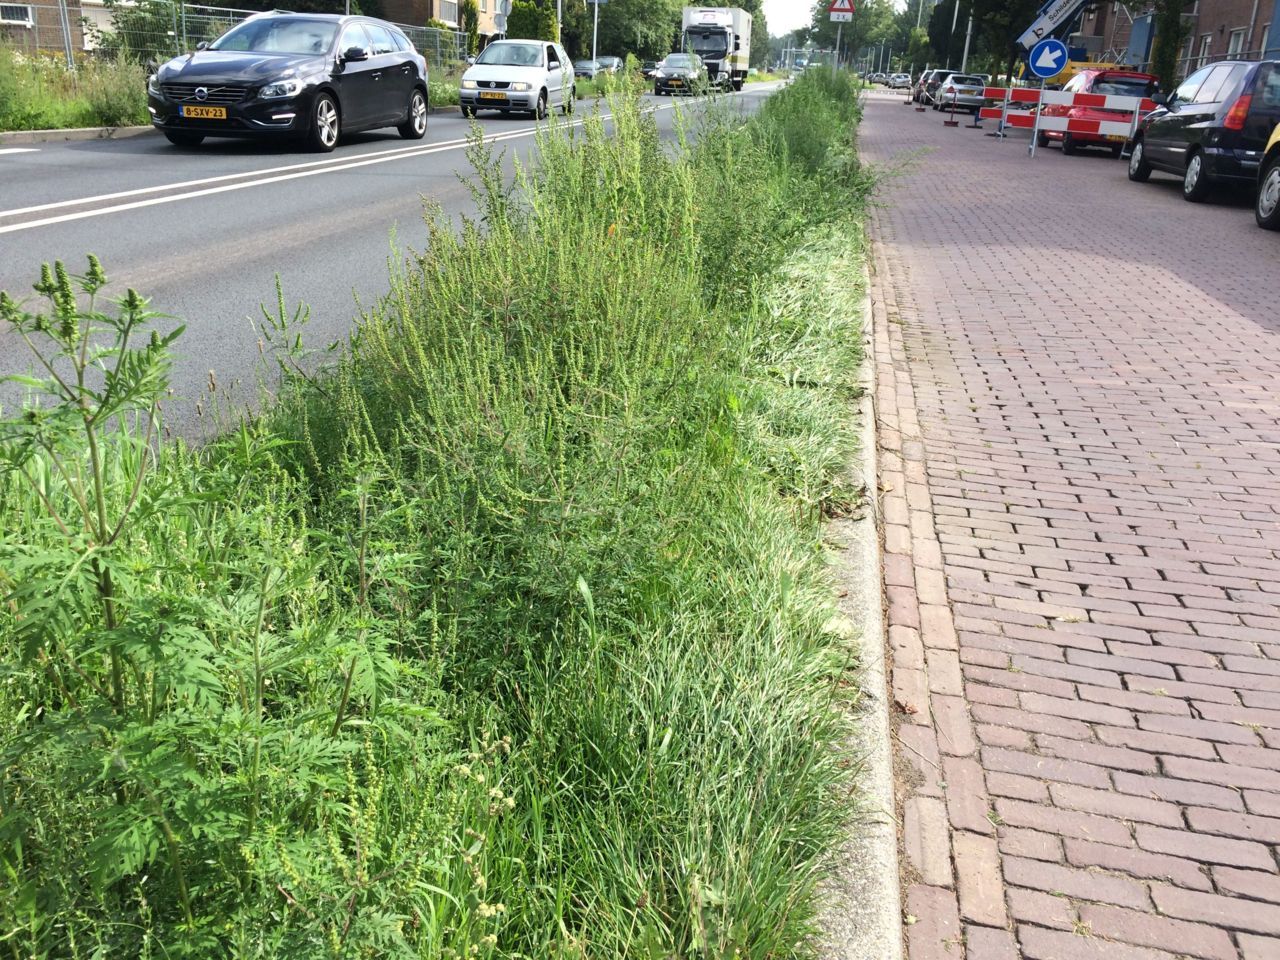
pixel 1212 129
pixel 309 76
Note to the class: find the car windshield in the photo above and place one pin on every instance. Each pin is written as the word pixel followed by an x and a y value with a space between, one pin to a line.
pixel 680 60
pixel 287 35
pixel 512 55
pixel 587 64
pixel 1123 87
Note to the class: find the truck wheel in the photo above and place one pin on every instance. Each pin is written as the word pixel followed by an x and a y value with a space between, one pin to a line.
pixel 737 86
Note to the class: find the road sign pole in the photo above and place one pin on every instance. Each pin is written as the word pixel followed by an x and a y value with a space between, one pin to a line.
pixel 835 61
pixel 1035 129
pixel 595 28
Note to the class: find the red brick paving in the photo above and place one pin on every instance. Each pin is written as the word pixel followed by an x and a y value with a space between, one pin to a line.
pixel 1078 395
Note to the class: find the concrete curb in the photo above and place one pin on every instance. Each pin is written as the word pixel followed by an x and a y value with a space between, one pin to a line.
pixel 76 133
pixel 862 915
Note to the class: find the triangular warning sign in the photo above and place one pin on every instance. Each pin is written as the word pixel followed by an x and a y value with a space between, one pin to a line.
pixel 841 6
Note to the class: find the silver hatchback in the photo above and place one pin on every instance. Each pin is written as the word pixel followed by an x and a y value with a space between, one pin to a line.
pixel 528 76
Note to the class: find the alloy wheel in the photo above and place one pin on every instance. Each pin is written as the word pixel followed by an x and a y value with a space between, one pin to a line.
pixel 419 109
pixel 326 122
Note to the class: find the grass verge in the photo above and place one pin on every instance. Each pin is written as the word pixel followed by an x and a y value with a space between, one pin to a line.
pixel 37 92
pixel 507 634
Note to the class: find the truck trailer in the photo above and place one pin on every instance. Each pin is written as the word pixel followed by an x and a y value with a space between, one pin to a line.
pixel 721 36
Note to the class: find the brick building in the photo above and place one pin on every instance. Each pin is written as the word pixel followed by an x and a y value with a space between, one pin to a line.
pixel 420 11
pixel 1220 30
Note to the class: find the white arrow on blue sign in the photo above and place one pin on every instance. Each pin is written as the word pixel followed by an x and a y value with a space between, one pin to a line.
pixel 1047 58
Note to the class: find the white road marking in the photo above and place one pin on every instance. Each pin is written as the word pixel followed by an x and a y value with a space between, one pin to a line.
pixel 272 175
pixel 19 150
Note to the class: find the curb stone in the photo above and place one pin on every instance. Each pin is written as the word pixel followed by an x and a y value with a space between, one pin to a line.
pixel 75 133
pixel 862 915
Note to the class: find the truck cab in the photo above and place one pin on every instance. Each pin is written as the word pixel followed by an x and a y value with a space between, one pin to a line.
pixel 721 36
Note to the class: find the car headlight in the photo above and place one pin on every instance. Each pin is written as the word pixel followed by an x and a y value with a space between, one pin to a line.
pixel 281 88
pixel 520 86
pixel 153 85
pixel 468 84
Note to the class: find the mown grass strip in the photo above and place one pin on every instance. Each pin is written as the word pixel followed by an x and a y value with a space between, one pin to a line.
pixel 505 634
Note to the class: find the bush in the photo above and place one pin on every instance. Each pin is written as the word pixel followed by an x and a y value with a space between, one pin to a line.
pixel 506 635
pixel 38 92
pixel 116 93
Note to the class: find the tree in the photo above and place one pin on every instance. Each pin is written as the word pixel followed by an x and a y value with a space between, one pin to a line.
pixel 647 28
pixel 528 21
pixel 470 15
pixel 1171 34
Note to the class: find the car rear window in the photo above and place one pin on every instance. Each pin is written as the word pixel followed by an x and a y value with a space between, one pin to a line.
pixel 1266 90
pixel 1217 86
pixel 966 81
pixel 1123 87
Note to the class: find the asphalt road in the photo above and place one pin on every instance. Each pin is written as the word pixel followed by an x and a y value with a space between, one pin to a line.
pixel 204 232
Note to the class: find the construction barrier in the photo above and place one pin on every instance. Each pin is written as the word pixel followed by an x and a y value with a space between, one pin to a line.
pixel 1127 110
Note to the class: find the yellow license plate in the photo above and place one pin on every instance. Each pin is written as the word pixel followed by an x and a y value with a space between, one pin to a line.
pixel 1112 138
pixel 204 113
pixel 493 96
pixel 677 83
pixel 968 93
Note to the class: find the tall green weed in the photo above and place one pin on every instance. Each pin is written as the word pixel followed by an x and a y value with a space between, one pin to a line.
pixel 507 635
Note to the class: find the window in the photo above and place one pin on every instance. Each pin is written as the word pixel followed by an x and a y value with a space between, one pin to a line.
pixel 1235 42
pixel 18 13
pixel 1187 89
pixel 1267 88
pixel 381 40
pixel 1212 88
pixel 354 36
pixel 552 58
pixel 1206 44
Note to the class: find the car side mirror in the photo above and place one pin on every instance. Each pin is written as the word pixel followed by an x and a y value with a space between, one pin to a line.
pixel 553 65
pixel 202 45
pixel 471 59
pixel 1161 99
pixel 355 55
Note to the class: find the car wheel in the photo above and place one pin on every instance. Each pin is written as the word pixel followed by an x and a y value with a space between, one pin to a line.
pixel 1267 208
pixel 326 124
pixel 1195 182
pixel 567 107
pixel 540 111
pixel 180 139
pixel 415 123
pixel 1139 169
pixel 1042 140
pixel 1068 144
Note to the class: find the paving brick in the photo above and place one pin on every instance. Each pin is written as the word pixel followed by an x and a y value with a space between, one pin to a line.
pixel 919 747
pixel 1263 803
pixel 1228 774
pixel 1041 944
pixel 1138 863
pixel 1229 912
pixel 944 672
pixel 1176 936
pixel 935 934
pixel 1245 826
pixel 1018 787
pixel 978 879
pixel 1155 742
pixel 955 732
pixel 1095 753
pixel 926 841
pixel 908 651
pixel 993 736
pixel 966 795
pixel 1077 710
pixel 1179 791
pixel 1042 909
pixel 1031 844
pixel 1065 823
pixel 1022 720
pixel 985 943
pixel 1075 883
pixel 1248 883
pixel 1121 806
pixel 1046 768
pixel 1258 948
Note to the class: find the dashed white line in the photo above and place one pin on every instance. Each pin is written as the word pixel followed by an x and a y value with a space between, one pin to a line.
pixel 19 149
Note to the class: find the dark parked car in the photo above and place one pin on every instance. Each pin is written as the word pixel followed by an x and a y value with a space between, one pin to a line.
pixel 309 76
pixel 680 73
pixel 610 64
pixel 1212 129
pixel 587 69
pixel 926 88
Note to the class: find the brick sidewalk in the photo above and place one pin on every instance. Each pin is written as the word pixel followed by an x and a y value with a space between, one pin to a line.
pixel 1078 389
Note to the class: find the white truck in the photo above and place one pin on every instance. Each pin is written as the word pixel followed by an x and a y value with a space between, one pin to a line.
pixel 721 36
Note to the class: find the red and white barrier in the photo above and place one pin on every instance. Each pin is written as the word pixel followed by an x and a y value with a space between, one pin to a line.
pixel 1128 111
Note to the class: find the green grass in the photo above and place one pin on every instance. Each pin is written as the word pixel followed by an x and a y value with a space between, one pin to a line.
pixel 507 633
pixel 37 92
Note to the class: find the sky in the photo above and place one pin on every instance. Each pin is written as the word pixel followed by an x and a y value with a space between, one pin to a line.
pixel 787 15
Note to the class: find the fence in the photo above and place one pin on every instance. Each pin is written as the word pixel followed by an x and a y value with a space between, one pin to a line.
pixel 157 29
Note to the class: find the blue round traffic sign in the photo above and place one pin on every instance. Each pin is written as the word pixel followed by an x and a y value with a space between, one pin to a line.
pixel 1047 58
